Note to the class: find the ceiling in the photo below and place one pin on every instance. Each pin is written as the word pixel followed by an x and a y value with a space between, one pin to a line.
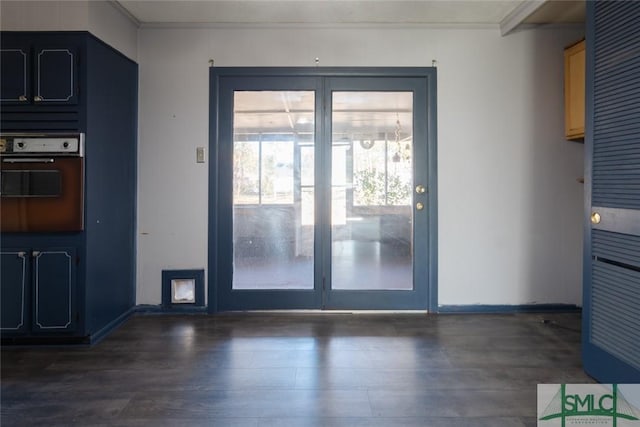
pixel 323 12
pixel 354 114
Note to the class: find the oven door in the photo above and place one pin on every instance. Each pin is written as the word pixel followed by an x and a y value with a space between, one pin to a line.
pixel 41 194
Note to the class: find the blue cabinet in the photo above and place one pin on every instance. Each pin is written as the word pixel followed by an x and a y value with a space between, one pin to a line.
pixel 54 290
pixel 78 285
pixel 39 75
pixel 38 291
pixel 15 77
pixel 14 292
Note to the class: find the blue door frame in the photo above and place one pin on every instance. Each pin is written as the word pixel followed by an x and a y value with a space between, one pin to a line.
pixel 223 83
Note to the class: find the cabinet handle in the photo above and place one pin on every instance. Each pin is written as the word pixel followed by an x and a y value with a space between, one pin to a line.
pixel 22 98
pixel 37 98
pixel 35 253
pixel 21 254
pixel 28 160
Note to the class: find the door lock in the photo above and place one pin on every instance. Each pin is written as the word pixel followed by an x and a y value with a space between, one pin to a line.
pixel 420 189
pixel 419 206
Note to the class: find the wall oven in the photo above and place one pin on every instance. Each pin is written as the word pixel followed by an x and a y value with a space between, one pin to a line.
pixel 42 182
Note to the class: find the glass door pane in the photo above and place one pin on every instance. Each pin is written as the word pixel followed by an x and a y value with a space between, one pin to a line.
pixel 371 191
pixel 273 190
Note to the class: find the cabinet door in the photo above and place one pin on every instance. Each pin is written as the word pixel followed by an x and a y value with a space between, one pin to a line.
pixel 15 65
pixel 14 286
pixel 56 76
pixel 54 290
pixel 574 90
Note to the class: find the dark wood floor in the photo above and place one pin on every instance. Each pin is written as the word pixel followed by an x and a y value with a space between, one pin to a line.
pixel 297 370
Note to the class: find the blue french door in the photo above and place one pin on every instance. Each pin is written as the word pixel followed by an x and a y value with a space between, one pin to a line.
pixel 322 189
pixel 611 313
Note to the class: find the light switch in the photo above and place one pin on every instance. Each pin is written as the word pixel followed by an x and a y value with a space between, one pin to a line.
pixel 200 155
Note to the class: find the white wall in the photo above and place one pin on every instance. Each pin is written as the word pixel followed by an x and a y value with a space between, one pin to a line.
pixel 111 26
pixel 510 207
pixel 101 18
pixel 44 15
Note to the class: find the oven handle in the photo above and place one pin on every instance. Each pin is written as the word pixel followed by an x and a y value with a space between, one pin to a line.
pixel 28 160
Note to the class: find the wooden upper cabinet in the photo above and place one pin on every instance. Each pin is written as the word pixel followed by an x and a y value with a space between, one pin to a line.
pixel 574 88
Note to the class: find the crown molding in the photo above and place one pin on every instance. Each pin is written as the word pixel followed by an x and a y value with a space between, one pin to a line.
pixel 120 8
pixel 519 14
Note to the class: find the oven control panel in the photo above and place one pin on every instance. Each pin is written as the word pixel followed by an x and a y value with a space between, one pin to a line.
pixel 37 144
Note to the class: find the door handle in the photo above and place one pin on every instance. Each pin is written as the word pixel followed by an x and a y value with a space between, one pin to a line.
pixel 419 206
pixel 25 160
pixel 420 189
pixel 595 218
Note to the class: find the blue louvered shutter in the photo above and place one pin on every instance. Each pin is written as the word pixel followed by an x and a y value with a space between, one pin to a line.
pixel 611 325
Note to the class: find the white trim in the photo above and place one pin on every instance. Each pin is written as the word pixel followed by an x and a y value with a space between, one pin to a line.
pixel 340 26
pixel 316 25
pixel 125 12
pixel 519 14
